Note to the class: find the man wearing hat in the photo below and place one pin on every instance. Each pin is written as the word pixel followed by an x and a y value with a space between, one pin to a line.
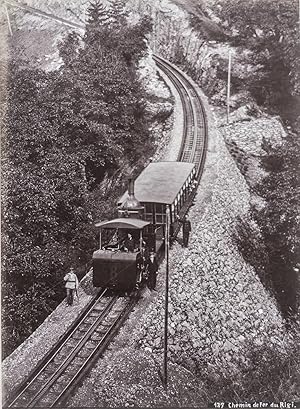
pixel 71 285
pixel 152 270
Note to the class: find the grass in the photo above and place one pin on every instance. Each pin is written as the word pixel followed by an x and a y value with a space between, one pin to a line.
pixel 270 376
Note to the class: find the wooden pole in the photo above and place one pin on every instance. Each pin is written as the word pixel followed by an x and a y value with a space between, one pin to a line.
pixel 8 20
pixel 167 241
pixel 228 85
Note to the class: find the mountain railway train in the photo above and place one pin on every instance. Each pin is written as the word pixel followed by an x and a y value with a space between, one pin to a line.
pixel 121 261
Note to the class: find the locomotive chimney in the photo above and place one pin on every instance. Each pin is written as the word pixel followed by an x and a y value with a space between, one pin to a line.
pixel 131 207
pixel 131 187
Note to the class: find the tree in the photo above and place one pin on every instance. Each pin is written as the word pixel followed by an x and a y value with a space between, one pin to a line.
pixel 68 131
pixel 280 223
pixel 118 13
pixel 276 253
pixel 98 15
pixel 270 30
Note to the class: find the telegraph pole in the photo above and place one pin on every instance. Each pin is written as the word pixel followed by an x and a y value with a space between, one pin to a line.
pixel 228 84
pixel 167 242
pixel 8 20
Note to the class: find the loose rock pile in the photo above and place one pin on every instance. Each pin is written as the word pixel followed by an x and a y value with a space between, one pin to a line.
pixel 218 310
pixel 251 136
pixel 248 136
pixel 217 304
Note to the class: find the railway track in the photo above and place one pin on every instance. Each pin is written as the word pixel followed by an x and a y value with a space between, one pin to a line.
pixel 53 381
pixel 40 13
pixel 195 130
pixel 61 371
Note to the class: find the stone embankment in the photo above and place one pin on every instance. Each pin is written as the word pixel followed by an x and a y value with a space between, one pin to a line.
pixel 218 306
pixel 219 312
pixel 248 138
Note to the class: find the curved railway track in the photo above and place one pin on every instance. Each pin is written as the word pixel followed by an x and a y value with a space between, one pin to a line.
pixel 62 369
pixel 56 377
pixel 195 130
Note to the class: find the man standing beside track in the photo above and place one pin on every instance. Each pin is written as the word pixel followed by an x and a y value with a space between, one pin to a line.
pixel 152 270
pixel 71 285
pixel 186 229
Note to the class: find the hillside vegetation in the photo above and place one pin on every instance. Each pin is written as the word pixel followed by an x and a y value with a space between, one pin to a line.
pixel 270 31
pixel 264 39
pixel 72 136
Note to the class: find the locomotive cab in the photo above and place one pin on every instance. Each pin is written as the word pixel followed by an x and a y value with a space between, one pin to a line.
pixel 121 259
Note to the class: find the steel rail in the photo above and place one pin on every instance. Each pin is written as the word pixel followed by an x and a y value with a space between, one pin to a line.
pixel 195 138
pixel 193 149
pixel 106 339
pixel 53 384
pixel 71 357
pixel 189 111
pixel 57 348
pixel 54 349
pixel 195 152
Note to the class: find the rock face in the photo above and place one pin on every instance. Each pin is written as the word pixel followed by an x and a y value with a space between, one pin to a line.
pixel 218 308
pixel 159 101
pixel 251 135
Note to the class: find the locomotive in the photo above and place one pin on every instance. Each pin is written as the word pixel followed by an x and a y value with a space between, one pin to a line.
pixel 125 243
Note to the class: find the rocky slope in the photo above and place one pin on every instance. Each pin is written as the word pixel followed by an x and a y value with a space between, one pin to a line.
pixel 219 311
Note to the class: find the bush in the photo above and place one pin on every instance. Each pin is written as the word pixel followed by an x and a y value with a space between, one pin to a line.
pixel 269 376
pixel 274 249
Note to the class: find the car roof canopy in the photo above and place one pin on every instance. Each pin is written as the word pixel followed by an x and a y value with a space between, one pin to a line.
pixel 123 223
pixel 160 182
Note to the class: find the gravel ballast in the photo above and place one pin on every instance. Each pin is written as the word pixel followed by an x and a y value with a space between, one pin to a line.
pixel 18 365
pixel 217 307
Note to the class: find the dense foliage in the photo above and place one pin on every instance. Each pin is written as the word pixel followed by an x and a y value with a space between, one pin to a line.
pixel 270 30
pixel 275 253
pixel 269 376
pixel 280 222
pixel 71 136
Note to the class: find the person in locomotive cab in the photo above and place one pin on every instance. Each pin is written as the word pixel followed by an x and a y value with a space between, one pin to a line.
pixel 152 270
pixel 129 243
pixel 71 285
pixel 144 250
pixel 186 229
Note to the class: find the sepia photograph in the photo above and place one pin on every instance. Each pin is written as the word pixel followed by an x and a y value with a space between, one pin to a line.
pixel 150 203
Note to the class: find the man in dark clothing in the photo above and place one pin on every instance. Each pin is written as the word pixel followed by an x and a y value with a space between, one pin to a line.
pixel 186 229
pixel 152 270
pixel 129 243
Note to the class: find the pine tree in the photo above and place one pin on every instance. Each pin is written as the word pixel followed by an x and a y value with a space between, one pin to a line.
pixel 67 131
pixel 98 17
pixel 117 12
